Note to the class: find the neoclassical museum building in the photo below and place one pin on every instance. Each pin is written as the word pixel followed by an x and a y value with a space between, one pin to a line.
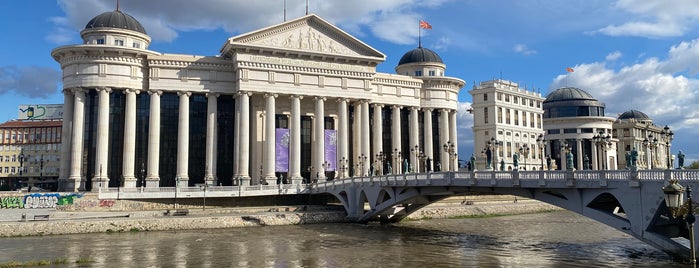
pixel 293 102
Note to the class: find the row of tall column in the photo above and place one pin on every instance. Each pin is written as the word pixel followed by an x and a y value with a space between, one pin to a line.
pixel 71 179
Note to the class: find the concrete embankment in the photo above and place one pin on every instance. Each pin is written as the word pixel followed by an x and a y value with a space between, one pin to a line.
pixel 77 222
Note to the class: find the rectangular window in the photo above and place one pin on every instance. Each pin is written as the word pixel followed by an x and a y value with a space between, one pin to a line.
pixel 418 73
pixel 500 115
pixel 627 133
pixel 136 45
pixel 499 96
pixel 431 73
pixel 12 170
pixel 485 97
pixel 485 115
pixel 507 98
pixel 118 42
pixel 100 41
pixel 507 116
pixel 516 100
pixel 570 130
pixel 554 131
pixel 516 118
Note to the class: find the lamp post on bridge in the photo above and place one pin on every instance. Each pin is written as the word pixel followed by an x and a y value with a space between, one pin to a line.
pixel 493 146
pixel 361 161
pixel 415 152
pixel 524 151
pixel 343 166
pixel 450 149
pixel 678 208
pixel 326 166
pixel 381 157
pixel 604 142
pixel 541 142
pixel 666 135
pixel 396 160
pixel 650 143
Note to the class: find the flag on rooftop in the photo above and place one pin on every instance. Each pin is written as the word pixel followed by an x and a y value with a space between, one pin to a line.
pixel 570 70
pixel 425 25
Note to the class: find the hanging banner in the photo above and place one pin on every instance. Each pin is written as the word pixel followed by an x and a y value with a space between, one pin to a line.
pixel 282 150
pixel 331 149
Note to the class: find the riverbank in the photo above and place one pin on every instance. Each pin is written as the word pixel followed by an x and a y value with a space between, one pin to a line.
pixel 78 222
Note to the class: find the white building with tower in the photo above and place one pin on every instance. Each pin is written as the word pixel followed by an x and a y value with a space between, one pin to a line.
pixel 293 102
pixel 507 120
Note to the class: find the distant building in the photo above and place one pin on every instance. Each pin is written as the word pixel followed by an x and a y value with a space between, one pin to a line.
pixel 634 129
pixel 296 101
pixel 507 120
pixel 30 153
pixel 574 122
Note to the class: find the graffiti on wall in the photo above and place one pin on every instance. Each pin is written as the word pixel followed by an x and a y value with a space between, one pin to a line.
pixel 37 200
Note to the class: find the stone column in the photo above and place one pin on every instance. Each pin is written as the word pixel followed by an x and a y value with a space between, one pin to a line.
pixel 427 124
pixel 595 157
pixel 444 137
pixel 454 140
pixel 343 139
pixel 396 156
pixel 378 137
pixel 211 112
pixel 243 139
pixel 579 154
pixel 414 139
pixel 269 155
pixel 75 181
pixel 357 144
pixel 129 157
pixel 101 180
pixel 153 168
pixel 66 135
pixel 366 138
pixel 182 175
pixel 319 145
pixel 295 141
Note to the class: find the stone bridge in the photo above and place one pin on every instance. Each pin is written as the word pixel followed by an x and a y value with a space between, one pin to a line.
pixel 629 201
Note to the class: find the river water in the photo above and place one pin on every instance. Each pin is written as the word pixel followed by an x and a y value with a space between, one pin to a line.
pixel 557 239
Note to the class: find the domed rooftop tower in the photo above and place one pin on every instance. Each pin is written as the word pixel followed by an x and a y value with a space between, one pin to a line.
pixel 421 62
pixel 571 102
pixel 635 115
pixel 115 28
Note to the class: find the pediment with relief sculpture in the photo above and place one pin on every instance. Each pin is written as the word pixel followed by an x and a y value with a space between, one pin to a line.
pixel 307 34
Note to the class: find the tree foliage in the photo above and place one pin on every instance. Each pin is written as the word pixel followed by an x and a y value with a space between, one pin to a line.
pixel 694 165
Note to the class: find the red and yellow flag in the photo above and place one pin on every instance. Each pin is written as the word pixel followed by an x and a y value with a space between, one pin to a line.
pixel 425 25
pixel 570 70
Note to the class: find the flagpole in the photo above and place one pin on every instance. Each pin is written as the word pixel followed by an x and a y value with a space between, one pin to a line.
pixel 419 31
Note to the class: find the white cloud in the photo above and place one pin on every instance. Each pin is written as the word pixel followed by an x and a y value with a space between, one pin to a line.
pixel 464 124
pixel 30 81
pixel 654 86
pixel 523 49
pixel 392 20
pixel 654 19
pixel 613 56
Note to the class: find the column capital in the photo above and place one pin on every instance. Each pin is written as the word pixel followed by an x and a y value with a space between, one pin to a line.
pixel 77 90
pixel 427 109
pixel 106 89
pixel 180 93
pixel 212 94
pixel 156 92
pixel 294 96
pixel 271 95
pixel 341 99
pixel 67 91
pixel 240 93
pixel 381 105
pixel 414 108
pixel 396 106
pixel 320 98
pixel 131 90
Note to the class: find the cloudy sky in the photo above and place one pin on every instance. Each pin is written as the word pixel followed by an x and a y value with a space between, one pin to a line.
pixel 629 54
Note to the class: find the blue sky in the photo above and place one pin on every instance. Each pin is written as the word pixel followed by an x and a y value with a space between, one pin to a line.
pixel 629 54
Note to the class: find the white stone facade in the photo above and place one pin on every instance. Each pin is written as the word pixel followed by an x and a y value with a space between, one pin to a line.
pixel 302 67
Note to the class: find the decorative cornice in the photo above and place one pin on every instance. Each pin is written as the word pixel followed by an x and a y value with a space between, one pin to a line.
pixel 300 69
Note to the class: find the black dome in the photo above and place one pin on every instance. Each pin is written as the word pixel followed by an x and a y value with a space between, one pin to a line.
pixel 571 102
pixel 634 114
pixel 420 54
pixel 568 93
pixel 116 19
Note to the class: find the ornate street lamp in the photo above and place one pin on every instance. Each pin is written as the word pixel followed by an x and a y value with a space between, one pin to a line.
pixel 396 160
pixel 541 142
pixel 381 158
pixel 362 160
pixel 326 166
pixel 666 135
pixel 651 143
pixel 450 149
pixel 604 142
pixel 524 151
pixel 678 208
pixel 415 152
pixel 343 166
pixel 143 176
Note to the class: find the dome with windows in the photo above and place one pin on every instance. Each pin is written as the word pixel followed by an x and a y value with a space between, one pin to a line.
pixel 633 114
pixel 115 19
pixel 420 54
pixel 571 102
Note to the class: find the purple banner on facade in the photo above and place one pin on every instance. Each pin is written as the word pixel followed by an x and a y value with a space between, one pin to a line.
pixel 282 150
pixel 331 148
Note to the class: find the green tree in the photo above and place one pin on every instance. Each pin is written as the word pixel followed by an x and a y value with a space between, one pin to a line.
pixel 694 165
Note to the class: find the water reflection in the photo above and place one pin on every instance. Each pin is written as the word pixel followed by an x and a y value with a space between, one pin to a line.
pixel 536 240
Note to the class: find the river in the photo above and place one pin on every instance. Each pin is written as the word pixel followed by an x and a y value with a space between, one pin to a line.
pixel 557 239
